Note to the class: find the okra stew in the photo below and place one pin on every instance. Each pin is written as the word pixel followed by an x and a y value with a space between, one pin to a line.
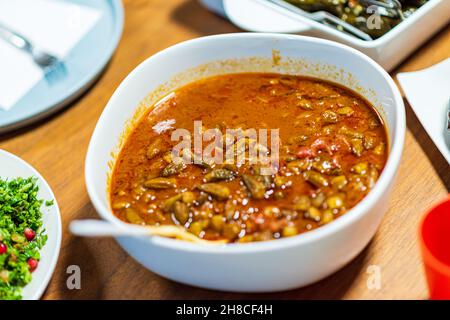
pixel 332 147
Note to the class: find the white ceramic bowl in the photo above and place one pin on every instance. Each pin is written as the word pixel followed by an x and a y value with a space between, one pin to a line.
pixel 12 167
pixel 265 266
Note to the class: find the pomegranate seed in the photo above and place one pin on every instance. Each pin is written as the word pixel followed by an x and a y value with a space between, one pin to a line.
pixel 3 248
pixel 321 144
pixel 29 234
pixel 32 264
pixel 305 152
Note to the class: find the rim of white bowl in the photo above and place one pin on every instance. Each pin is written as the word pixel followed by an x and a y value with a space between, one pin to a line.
pixel 388 173
pixel 58 232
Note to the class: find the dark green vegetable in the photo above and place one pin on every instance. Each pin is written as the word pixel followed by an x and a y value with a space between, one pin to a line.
pixel 181 212
pixel 316 179
pixel 329 116
pixel 20 209
pixel 219 174
pixel 161 183
pixel 216 190
pixel 357 13
pixel 168 204
pixel 133 216
pixel 255 186
pixel 172 169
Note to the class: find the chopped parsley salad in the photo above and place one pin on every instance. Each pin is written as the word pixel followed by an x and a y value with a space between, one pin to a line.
pixel 21 234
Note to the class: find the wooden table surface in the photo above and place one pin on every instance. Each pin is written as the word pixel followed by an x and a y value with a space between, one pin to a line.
pixel 57 148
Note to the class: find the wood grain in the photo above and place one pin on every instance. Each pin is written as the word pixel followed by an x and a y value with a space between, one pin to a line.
pixel 57 147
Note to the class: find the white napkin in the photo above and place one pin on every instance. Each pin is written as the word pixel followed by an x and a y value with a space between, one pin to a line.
pixel 428 93
pixel 56 26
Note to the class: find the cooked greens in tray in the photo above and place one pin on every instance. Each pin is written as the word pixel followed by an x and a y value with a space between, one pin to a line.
pixel 358 12
pixel 21 234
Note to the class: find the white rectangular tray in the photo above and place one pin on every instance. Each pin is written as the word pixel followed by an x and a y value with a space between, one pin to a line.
pixel 388 50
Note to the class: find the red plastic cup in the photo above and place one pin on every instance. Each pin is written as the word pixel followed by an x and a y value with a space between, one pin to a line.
pixel 434 235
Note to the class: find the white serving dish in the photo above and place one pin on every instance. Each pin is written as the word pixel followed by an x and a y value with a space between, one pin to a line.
pixel 255 267
pixel 12 167
pixel 431 108
pixel 388 50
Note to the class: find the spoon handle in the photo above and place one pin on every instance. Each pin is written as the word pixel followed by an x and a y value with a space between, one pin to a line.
pixel 99 228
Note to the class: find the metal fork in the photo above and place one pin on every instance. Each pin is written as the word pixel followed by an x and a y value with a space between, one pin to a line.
pixel 388 8
pixel 53 67
pixel 324 18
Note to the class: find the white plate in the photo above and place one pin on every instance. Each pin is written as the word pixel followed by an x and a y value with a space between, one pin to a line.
pixel 83 66
pixel 428 93
pixel 13 167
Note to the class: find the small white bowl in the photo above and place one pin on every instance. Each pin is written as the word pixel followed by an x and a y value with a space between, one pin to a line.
pixel 254 267
pixel 12 167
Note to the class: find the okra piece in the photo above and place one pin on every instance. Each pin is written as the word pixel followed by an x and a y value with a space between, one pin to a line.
pixel 181 212
pixel 314 214
pixel 219 174
pixel 155 148
pixel 279 195
pixel 345 111
pixel 357 147
pixel 335 202
pixel 133 217
pixel 289 231
pixel 339 182
pixel 217 222
pixel 121 205
pixel 188 197
pixel 231 231
pixel 218 191
pixel 299 165
pixel 257 188
pixel 329 116
pixel 161 183
pixel 379 149
pixel 168 204
pixel 360 168
pixel 369 142
pixel 318 200
pixel 168 157
pixel 305 104
pixel 327 216
pixel 350 133
pixel 246 238
pixel 302 203
pixel 298 139
pixel 281 182
pixel 289 82
pixel 172 169
pixel 316 179
pixel 196 228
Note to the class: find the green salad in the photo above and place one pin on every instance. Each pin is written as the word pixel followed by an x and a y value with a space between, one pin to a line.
pixel 21 234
